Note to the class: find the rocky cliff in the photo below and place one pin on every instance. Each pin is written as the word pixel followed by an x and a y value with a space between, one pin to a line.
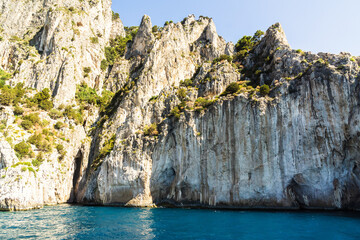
pixel 170 115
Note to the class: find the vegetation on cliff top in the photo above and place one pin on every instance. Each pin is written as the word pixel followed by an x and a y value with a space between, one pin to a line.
pixel 86 95
pixel 117 47
pixel 246 44
pixel 27 106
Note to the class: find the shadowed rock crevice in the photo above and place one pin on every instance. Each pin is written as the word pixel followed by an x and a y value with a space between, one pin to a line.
pixel 78 162
pixel 36 41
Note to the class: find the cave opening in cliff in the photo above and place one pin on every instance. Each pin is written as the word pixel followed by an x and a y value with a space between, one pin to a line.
pixel 76 177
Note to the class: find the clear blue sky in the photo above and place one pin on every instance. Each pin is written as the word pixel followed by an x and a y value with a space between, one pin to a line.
pixel 312 25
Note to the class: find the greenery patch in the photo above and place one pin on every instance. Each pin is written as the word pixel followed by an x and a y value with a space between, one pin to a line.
pixel 151 130
pixel 104 151
pixel 264 90
pixel 22 149
pixel 232 88
pixel 117 47
pixel 223 58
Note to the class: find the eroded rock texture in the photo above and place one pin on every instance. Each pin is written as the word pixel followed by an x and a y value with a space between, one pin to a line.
pixel 169 135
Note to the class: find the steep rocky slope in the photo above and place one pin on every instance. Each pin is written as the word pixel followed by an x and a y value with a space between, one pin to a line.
pixel 293 148
pixel 49 44
pixel 190 122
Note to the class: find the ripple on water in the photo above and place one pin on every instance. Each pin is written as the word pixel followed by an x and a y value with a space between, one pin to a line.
pixel 80 222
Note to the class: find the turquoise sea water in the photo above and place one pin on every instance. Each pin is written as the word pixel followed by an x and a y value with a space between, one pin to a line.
pixel 80 222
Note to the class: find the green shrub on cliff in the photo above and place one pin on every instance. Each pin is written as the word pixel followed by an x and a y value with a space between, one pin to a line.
pixel 105 100
pixel 246 44
pixel 104 151
pixel 43 99
pixel 155 29
pixel 232 88
pixel 301 52
pixel 61 150
pixel 117 47
pixel 26 124
pixel 264 90
pixel 186 83
pixel 32 117
pixel 22 149
pixel 18 111
pixel 104 65
pixel 4 76
pixel 182 94
pixel 55 114
pixel 73 114
pixel 10 96
pixel 30 120
pixel 94 40
pixel 46 105
pixel 222 58
pixel 202 103
pixel 43 95
pixel 7 96
pixel 175 112
pixel 115 16
pixel 85 94
pixel 38 160
pixel 40 142
pixel 59 125
pixel 87 71
pixel 151 130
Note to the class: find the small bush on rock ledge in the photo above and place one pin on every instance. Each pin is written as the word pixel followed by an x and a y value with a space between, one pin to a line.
pixel 175 112
pixel 43 99
pixel 108 146
pixel 264 90
pixel 222 58
pixel 22 149
pixel 232 88
pixel 151 130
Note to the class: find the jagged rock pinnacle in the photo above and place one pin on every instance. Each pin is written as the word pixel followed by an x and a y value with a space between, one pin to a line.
pixel 117 29
pixel 143 38
pixel 277 34
pixel 211 34
pixel 274 39
pixel 189 19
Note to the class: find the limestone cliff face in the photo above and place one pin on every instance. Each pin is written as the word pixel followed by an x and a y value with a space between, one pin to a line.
pixel 292 151
pixel 173 132
pixel 160 65
pixel 47 44
pixel 24 186
pixel 288 150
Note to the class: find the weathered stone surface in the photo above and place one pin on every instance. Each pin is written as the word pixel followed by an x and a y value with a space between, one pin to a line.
pixel 287 151
pixel 48 44
pixel 171 58
pixel 294 148
pixel 143 39
pixel 288 154
pixel 25 187
pixel 7 154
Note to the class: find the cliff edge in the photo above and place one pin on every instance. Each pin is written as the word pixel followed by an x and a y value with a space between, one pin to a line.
pixel 95 113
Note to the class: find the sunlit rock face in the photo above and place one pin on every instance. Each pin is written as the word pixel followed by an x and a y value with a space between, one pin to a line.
pixel 288 150
pixel 174 134
pixel 49 43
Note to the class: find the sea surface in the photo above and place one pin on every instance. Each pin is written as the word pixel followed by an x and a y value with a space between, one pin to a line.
pixel 83 222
